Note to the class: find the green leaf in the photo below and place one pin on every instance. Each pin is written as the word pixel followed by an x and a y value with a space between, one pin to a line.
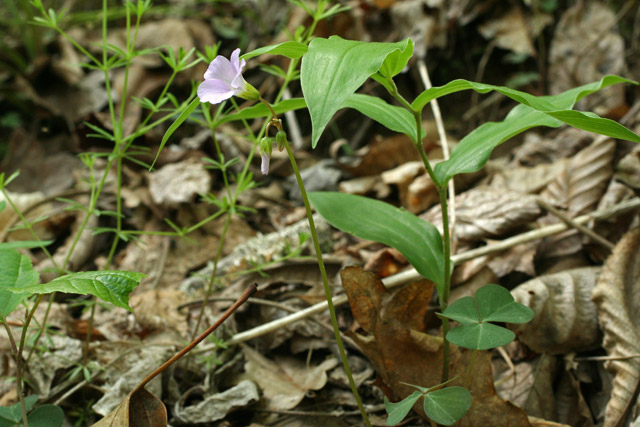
pixel 491 303
pixel 110 285
pixel 448 405
pixel 464 311
pixel 46 416
pixel 395 118
pixel 12 415
pixel 418 240
pixel 474 150
pixel 397 411
pixel 480 336
pixel 561 101
pixel 16 272
pixel 261 110
pixel 496 304
pixel 333 69
pixel 290 49
pixel 20 244
pixel 175 125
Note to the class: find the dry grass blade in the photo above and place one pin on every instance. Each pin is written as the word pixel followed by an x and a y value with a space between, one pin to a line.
pixel 618 299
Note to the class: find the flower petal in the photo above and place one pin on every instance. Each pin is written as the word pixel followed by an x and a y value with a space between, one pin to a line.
pixel 214 91
pixel 221 69
pixel 264 167
pixel 235 60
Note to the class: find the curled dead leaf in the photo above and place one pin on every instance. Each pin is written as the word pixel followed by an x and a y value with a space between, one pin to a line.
pixel 617 296
pixel 565 316
pixel 139 409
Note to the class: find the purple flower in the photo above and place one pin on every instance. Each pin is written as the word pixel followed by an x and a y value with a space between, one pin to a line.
pixel 223 79
pixel 264 167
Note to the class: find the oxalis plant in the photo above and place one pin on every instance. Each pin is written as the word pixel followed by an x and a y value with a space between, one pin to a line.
pixel 331 72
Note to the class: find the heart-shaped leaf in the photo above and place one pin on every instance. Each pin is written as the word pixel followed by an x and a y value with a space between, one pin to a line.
pixel 496 304
pixel 480 336
pixel 16 272
pixel 397 411
pixel 491 303
pixel 447 405
pixel 418 240
pixel 109 285
pixel 334 68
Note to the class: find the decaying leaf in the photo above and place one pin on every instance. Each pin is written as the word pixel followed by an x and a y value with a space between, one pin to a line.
pixel 585 47
pixel 285 381
pixel 565 316
pixel 578 191
pixel 179 182
pixel 402 352
pixel 487 212
pixel 216 406
pixel 139 409
pixel 509 31
pixel 617 297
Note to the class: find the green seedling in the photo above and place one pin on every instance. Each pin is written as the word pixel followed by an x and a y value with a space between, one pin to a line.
pixel 491 303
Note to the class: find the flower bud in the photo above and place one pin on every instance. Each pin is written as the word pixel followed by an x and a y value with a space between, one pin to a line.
pixel 266 146
pixel 281 139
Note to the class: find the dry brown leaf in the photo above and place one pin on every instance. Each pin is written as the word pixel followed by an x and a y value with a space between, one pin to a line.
pixel 380 155
pixel 139 409
pixel 509 31
pixel 578 191
pixel 178 183
pixel 616 296
pixel 523 180
pixel 565 316
pixel 402 352
pixel 284 381
pixel 486 212
pixel 585 47
pixel 536 150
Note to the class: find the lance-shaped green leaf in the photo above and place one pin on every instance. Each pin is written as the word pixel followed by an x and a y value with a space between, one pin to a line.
pixel 474 150
pixel 16 272
pixel 109 285
pixel 175 125
pixel 418 240
pixel 261 110
pixel 290 49
pixel 333 69
pixel 395 118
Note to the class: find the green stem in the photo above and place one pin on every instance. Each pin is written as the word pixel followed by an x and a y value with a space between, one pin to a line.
pixel 18 358
pixel 446 237
pixel 325 281
pixel 444 298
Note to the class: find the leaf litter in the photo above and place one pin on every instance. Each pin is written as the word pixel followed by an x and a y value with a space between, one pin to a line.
pixel 558 364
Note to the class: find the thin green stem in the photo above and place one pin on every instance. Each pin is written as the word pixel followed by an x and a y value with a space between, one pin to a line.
pixel 467 381
pixel 444 298
pixel 325 281
pixel 18 358
pixel 446 237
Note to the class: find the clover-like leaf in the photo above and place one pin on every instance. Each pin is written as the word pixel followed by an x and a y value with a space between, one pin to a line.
pixel 496 304
pixel 491 303
pixel 447 405
pixel 16 272
pixel 109 285
pixel 397 411
pixel 480 336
